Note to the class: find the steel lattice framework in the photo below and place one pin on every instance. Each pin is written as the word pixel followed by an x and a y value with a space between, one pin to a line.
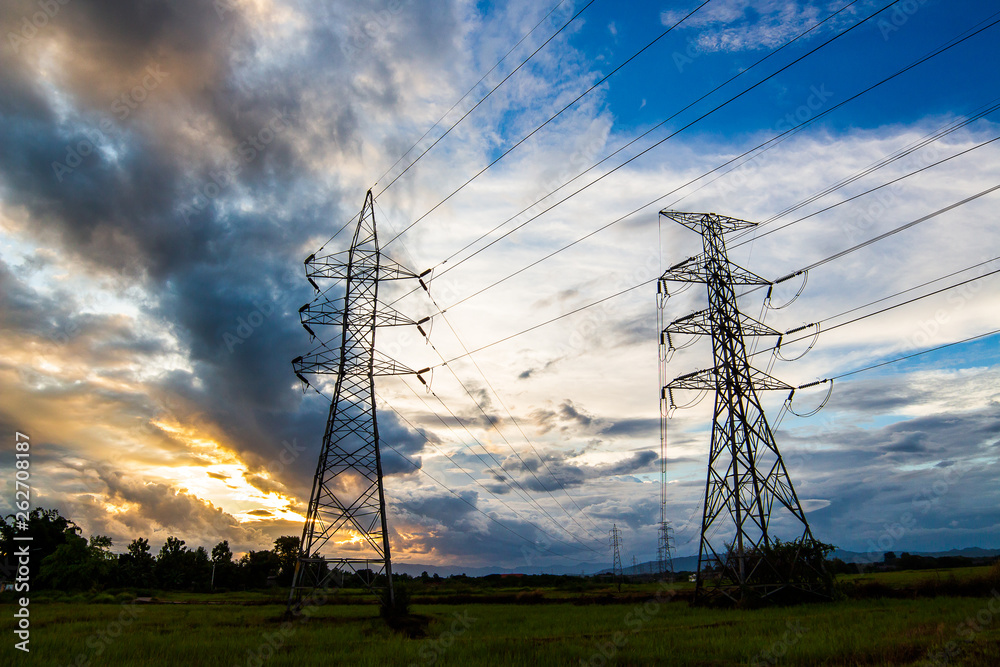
pixel 747 479
pixel 615 540
pixel 665 550
pixel 346 532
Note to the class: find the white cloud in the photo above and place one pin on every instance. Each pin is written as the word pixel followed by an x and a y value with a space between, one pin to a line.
pixel 738 25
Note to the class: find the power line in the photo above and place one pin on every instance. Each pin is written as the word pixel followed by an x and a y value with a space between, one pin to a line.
pixel 641 136
pixel 631 213
pixel 499 473
pixel 551 118
pixel 515 70
pixel 490 421
pixel 926 140
pixel 925 284
pixel 915 354
pixel 787 277
pixel 526 439
pixel 346 224
pixel 500 432
pixel 888 308
pixel 499 476
pixel 889 233
pixel 469 92
pixel 495 497
pixel 768 144
pixel 464 500
pixel 861 194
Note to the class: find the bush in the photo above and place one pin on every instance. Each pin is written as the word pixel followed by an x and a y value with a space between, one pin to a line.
pixel 781 572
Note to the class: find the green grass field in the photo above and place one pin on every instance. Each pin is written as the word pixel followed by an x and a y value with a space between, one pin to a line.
pixel 643 626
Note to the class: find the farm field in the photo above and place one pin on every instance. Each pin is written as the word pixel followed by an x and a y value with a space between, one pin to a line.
pixel 646 624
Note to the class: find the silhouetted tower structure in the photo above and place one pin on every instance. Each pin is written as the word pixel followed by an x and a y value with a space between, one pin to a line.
pixel 665 550
pixel 747 483
pixel 615 538
pixel 346 533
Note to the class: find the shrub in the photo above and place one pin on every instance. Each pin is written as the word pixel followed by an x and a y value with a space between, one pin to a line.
pixel 397 607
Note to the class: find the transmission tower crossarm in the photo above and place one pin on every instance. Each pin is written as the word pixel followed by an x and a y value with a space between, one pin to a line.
pixel 715 378
pixel 334 266
pixel 700 324
pixel 698 270
pixel 698 222
pixel 327 362
pixel 325 312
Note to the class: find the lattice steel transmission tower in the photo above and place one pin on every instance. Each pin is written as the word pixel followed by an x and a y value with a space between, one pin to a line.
pixel 346 532
pixel 615 538
pixel 665 550
pixel 747 484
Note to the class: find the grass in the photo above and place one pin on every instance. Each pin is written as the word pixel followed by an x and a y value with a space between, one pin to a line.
pixel 636 629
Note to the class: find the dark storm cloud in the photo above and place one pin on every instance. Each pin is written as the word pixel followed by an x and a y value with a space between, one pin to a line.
pixel 566 417
pixel 105 339
pixel 398 441
pixel 558 473
pixel 146 198
pixel 445 508
pixel 879 397
pixel 918 480
pixel 633 428
pixel 166 506
pixel 569 418
pixel 444 524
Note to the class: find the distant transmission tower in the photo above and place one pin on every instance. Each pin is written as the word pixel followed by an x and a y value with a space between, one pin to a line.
pixel 664 545
pixel 617 573
pixel 346 533
pixel 665 551
pixel 746 475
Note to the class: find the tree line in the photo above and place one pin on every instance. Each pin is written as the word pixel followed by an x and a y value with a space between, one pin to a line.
pixel 62 559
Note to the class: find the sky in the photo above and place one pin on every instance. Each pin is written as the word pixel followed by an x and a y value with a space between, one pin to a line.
pixel 166 167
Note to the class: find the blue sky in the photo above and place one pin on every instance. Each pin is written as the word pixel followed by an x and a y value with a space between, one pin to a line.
pixel 164 171
pixel 662 76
